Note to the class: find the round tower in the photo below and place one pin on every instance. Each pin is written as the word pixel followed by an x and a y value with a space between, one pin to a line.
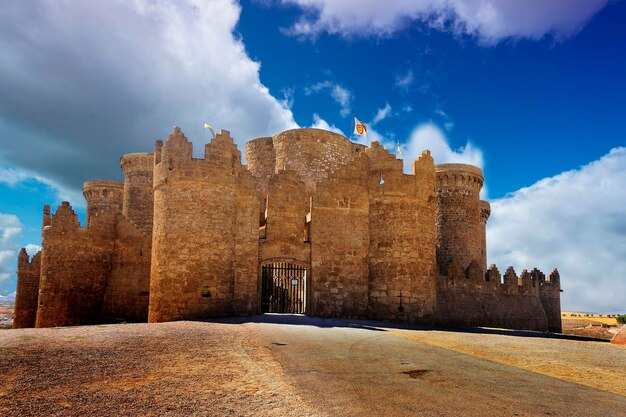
pixel 138 194
pixel 461 216
pixel 314 154
pixel 102 194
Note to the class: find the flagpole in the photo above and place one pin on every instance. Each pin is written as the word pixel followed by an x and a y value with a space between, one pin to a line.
pixel 351 129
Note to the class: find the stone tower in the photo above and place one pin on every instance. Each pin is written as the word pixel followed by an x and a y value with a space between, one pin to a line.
pixel 205 236
pixel 101 195
pixel 138 196
pixel 461 216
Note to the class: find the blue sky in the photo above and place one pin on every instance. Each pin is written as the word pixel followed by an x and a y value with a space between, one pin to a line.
pixel 534 92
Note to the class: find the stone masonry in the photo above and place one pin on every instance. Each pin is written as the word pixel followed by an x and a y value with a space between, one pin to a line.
pixel 186 238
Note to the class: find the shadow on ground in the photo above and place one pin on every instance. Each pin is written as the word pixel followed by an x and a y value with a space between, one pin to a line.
pixel 381 326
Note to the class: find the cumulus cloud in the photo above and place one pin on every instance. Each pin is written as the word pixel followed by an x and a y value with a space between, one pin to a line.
pixel 382 114
pixel 82 82
pixel 430 136
pixel 319 123
pixel 574 221
pixel 488 20
pixel 339 93
pixel 10 230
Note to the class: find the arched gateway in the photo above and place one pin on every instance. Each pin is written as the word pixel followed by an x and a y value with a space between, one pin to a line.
pixel 283 287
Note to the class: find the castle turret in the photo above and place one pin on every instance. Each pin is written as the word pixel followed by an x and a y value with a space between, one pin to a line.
pixel 100 195
pixel 461 216
pixel 138 194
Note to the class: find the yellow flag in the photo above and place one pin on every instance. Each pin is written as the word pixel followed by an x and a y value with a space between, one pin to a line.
pixel 400 149
pixel 208 126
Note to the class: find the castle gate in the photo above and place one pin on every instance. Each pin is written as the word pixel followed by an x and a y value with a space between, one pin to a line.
pixel 283 288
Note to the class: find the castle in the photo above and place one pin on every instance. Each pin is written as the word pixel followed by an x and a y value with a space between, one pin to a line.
pixel 313 224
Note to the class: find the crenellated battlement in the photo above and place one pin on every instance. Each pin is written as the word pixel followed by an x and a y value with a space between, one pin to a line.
pixel 473 279
pixel 459 179
pixel 25 261
pixel 485 211
pixel 102 194
pixel 178 149
pixel 132 163
pixel 64 217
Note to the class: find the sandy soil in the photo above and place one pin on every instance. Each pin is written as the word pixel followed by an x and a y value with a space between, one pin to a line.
pixel 301 366
pixel 181 368
pixel 595 364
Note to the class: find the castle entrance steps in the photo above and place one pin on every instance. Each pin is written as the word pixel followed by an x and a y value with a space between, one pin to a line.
pixel 283 288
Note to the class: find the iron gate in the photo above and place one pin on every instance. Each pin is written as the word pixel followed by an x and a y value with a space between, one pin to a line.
pixel 283 288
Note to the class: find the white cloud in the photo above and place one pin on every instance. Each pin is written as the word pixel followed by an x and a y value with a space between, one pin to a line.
pixel 32 249
pixel 82 82
pixel 575 221
pixel 488 20
pixel 429 136
pixel 404 81
pixel 12 177
pixel 319 123
pixel 382 114
pixel 10 230
pixel 338 93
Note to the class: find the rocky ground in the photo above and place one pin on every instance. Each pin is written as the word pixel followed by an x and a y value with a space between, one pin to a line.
pixel 298 366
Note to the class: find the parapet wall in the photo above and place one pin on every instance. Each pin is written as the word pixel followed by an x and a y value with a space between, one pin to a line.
pixel 475 298
pixel 28 271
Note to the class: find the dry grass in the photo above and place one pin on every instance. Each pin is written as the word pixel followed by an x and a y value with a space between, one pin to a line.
pixel 588 319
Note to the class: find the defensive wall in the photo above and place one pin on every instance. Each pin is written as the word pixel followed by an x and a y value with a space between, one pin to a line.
pixel 186 238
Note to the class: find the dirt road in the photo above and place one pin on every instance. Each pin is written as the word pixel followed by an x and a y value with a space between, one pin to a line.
pixel 354 368
pixel 275 366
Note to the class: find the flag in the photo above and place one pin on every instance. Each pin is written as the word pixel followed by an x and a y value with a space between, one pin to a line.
pixel 359 127
pixel 208 126
pixel 400 149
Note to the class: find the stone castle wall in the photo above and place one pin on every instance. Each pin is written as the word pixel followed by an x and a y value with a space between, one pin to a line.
pixel 340 240
pixel 75 266
pixel 476 298
pixel 127 291
pixel 28 272
pixel 186 238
